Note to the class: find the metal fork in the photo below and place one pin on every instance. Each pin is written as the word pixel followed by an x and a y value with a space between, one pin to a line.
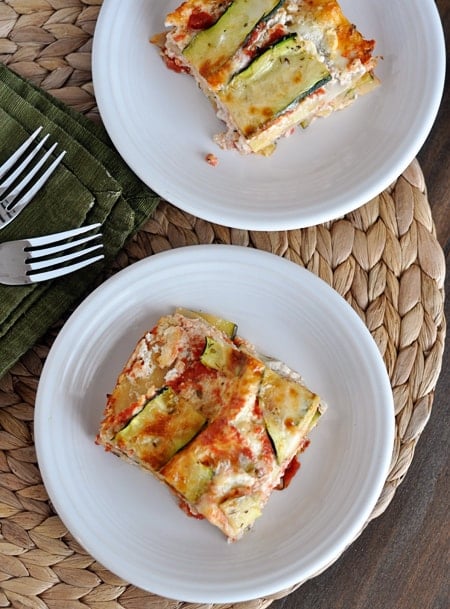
pixel 10 205
pixel 37 259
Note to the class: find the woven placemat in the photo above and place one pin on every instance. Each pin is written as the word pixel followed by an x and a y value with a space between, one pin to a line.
pixel 384 259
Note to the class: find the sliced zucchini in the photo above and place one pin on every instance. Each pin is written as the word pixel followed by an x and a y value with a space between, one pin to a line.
pixel 242 511
pixel 223 357
pixel 279 78
pixel 211 48
pixel 192 470
pixel 289 411
pixel 317 415
pixel 224 325
pixel 164 425
pixel 364 84
pixel 188 476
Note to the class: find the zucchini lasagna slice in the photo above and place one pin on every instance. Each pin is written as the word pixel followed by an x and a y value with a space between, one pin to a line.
pixel 220 425
pixel 269 65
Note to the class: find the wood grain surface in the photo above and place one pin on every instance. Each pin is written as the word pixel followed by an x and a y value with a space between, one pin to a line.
pixel 401 560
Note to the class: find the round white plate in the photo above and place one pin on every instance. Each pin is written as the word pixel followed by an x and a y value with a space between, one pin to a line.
pixel 163 126
pixel 127 519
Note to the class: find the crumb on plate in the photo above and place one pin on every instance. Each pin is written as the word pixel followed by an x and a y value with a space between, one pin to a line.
pixel 212 159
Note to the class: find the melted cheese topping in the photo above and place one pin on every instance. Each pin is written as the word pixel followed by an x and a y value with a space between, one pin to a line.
pixel 212 421
pixel 216 61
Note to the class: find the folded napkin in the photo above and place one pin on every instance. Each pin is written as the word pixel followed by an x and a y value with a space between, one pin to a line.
pixel 92 184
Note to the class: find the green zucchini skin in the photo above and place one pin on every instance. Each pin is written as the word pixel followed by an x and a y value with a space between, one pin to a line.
pixel 158 431
pixel 286 73
pixel 216 355
pixel 220 42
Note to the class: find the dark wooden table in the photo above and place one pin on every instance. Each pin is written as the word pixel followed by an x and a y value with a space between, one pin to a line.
pixel 401 560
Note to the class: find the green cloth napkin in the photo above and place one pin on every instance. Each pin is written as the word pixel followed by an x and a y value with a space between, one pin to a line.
pixel 92 184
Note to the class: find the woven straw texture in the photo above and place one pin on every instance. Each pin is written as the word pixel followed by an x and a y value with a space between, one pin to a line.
pixel 384 259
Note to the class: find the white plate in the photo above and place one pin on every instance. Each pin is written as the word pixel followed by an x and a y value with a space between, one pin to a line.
pixel 129 521
pixel 163 126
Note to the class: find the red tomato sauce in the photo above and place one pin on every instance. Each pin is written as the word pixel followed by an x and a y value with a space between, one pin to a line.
pixel 186 509
pixel 200 20
pixel 290 472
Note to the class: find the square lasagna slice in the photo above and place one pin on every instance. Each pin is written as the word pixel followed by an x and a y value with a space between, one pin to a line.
pixel 221 426
pixel 269 65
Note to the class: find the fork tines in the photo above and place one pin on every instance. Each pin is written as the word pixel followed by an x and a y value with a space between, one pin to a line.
pixel 43 256
pixel 20 174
